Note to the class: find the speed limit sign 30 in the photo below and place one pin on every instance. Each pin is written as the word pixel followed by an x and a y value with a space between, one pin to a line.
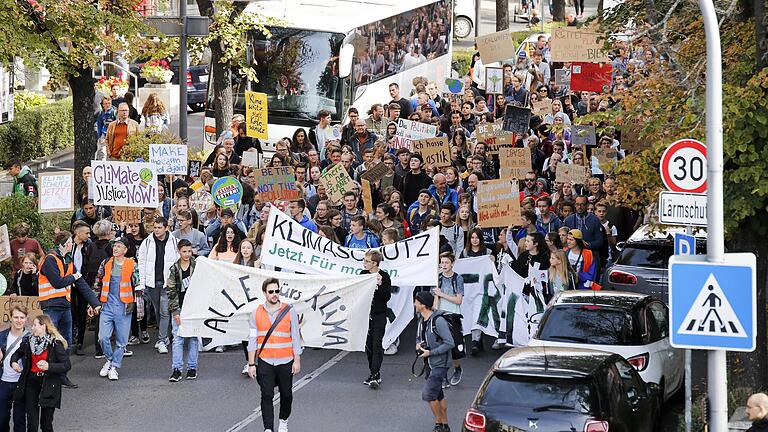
pixel 683 167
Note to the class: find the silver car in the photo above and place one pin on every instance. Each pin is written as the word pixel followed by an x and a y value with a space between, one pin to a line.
pixel 641 265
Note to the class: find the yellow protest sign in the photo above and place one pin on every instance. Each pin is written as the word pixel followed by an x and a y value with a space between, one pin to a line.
pixel 256 119
pixel 498 203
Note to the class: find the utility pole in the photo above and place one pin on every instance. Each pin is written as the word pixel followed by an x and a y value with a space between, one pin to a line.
pixel 183 71
pixel 502 15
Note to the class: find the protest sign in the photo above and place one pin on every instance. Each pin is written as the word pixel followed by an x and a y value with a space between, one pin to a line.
pixel 129 184
pixel 494 80
pixel 515 162
pixel 571 44
pixel 494 136
pixel 227 192
pixel 496 47
pixel 128 215
pixel 542 108
pixel 289 245
pixel 408 131
pixel 498 203
pixel 30 302
pixel 376 173
pixel 517 119
pixel 276 183
pixel 337 181
pixel 435 151
pixel 482 292
pixel 250 159
pixel 365 187
pixel 583 135
pixel 592 77
pixel 572 173
pixel 193 168
pixel 169 158
pixel 201 201
pixel 5 243
pixel 334 310
pixel 256 117
pixel 57 192
pixel 605 159
pixel 563 77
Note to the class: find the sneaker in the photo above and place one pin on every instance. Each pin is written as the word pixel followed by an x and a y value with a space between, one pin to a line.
pixel 162 348
pixel 475 348
pixel 145 337
pixel 245 369
pixel 67 383
pixel 219 349
pixel 376 382
pixel 456 377
pixel 283 426
pixel 499 344
pixel 369 380
pixel 446 428
pixel 78 351
pixel 391 350
pixel 446 384
pixel 105 369
pixel 175 376
pixel 127 353
pixel 191 374
pixel 133 340
pixel 438 428
pixel 157 344
pixel 113 375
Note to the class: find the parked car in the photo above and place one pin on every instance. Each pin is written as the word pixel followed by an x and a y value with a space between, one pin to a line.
pixel 197 83
pixel 463 18
pixel 635 326
pixel 563 389
pixel 642 263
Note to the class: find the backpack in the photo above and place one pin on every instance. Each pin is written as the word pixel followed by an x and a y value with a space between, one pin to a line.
pixel 455 326
pixel 97 252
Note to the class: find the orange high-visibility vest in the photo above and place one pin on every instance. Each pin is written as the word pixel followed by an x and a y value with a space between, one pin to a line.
pixel 279 346
pixel 46 291
pixel 126 277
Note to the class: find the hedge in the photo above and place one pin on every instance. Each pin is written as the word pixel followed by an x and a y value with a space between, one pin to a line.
pixel 38 131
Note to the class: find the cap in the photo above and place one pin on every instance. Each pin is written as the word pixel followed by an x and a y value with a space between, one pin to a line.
pixel 227 212
pixel 426 298
pixel 417 156
pixel 522 54
pixel 425 191
pixel 118 240
pixel 576 233
pixel 426 107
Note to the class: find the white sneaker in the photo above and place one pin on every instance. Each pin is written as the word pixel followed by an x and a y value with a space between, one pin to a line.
pixel 219 349
pixel 391 350
pixel 245 369
pixel 157 344
pixel 113 375
pixel 162 348
pixel 283 427
pixel 105 369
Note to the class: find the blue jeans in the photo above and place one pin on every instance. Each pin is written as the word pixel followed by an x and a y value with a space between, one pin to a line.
pixel 62 319
pixel 178 349
pixel 159 299
pixel 114 319
pixel 19 413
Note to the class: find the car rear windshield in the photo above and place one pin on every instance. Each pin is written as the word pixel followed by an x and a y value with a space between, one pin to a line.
pixel 540 393
pixel 650 255
pixel 588 324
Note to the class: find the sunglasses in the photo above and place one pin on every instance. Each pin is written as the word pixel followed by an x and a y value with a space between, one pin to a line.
pixel 273 291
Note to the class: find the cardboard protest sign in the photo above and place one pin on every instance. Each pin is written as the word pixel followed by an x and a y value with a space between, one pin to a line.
pixel 337 181
pixel 408 131
pixel 572 173
pixel 592 77
pixel 193 168
pixel 5 243
pixel 495 46
pixel 376 173
pixel 128 215
pixel 606 159
pixel 57 192
pixel 276 183
pixel 517 119
pixel 256 116
pixel 365 186
pixel 169 158
pixel 201 201
pixel 542 108
pixel 571 44
pixel 250 159
pixel 515 162
pixel 494 80
pixel 498 203
pixel 494 136
pixel 563 77
pixel 30 302
pixel 583 135
pixel 435 151
pixel 227 192
pixel 129 184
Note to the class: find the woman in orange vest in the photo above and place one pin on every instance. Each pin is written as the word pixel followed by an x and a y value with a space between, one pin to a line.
pixel 276 329
pixel 117 283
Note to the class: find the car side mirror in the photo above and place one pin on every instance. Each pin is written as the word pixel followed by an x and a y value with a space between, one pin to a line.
pixel 346 55
pixel 620 246
pixel 535 318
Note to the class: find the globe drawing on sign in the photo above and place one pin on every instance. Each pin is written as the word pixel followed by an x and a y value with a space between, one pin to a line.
pixel 145 174
pixel 455 86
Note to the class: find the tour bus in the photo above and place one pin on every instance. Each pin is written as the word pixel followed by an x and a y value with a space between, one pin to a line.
pixel 333 54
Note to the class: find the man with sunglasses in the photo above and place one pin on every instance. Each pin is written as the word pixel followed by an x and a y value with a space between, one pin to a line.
pixel 530 189
pixel 277 348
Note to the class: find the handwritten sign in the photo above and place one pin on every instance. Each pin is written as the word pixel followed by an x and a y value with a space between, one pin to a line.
pixel 128 215
pixel 542 108
pixel 169 158
pixel 276 183
pixel 376 173
pixel 193 168
pixel 7 302
pixel 256 117
pixel 515 162
pixel 498 203
pixel 57 192
pixel 495 46
pixel 517 119
pixel 337 181
pixel 367 199
pixel 435 151
pixel 494 136
pixel 583 135
pixel 570 44
pixel 5 243
pixel 572 173
pixel 201 201
pixel 129 184
pixel 494 80
pixel 607 158
pixel 250 159
pixel 227 192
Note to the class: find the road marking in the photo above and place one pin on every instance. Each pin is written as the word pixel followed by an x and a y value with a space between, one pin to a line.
pixel 298 385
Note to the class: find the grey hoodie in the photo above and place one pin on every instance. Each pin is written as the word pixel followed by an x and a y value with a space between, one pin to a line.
pixel 438 342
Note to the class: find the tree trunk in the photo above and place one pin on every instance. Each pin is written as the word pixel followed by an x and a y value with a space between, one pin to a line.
pixel 502 15
pixel 600 10
pixel 83 95
pixel 761 53
pixel 558 10
pixel 650 12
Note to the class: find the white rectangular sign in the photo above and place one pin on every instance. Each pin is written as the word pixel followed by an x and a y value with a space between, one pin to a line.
pixel 677 208
pixel 127 184
pixel 169 158
pixel 57 192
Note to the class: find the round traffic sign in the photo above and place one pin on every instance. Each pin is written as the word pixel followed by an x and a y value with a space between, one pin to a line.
pixel 683 166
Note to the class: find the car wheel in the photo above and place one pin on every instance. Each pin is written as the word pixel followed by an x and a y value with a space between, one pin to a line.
pixel 462 27
pixel 197 107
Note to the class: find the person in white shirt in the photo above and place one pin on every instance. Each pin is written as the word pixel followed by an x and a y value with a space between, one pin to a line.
pixel 10 340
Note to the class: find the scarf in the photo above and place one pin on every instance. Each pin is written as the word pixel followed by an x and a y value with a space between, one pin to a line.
pixel 40 343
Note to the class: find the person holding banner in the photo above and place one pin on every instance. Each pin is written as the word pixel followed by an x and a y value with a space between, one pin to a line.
pixel 378 318
pixel 276 344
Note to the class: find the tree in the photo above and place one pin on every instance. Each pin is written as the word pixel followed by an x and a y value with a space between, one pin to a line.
pixel 558 10
pixel 42 34
pixel 502 15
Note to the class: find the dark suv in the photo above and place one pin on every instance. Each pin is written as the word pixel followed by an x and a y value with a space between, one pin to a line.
pixel 563 389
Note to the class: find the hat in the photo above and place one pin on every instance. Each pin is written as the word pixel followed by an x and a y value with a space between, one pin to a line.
pixel 425 191
pixel 426 298
pixel 522 54
pixel 426 107
pixel 227 212
pixel 417 156
pixel 576 233
pixel 118 240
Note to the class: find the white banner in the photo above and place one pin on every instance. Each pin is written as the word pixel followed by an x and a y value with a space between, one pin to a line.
pixel 289 245
pixel 127 184
pixel 169 158
pixel 400 312
pixel 333 311
pixel 482 294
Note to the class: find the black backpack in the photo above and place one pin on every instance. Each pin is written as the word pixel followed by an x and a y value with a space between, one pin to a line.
pixel 98 251
pixel 455 326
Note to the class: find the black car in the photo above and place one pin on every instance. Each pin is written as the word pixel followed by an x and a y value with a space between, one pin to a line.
pixel 197 83
pixel 557 389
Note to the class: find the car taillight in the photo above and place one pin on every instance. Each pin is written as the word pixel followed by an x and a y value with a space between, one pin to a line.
pixel 596 426
pixel 621 277
pixel 474 421
pixel 640 362
pixel 189 80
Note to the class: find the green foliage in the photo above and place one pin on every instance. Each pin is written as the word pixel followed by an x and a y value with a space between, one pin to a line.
pixel 137 146
pixel 24 100
pixel 463 58
pixel 38 132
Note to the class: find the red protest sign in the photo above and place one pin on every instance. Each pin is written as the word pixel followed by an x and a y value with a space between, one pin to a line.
pixel 592 77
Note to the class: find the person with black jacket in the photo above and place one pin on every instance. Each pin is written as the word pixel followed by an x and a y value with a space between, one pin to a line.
pixel 414 180
pixel 10 341
pixel 45 365
pixel 378 319
pixel 757 412
pixel 24 282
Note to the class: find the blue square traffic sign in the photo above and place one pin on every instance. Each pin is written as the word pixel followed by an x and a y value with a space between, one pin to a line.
pixel 685 244
pixel 713 306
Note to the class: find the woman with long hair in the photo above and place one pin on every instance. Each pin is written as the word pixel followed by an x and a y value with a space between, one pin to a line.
pixel 321 212
pixel 300 143
pixel 554 243
pixel 221 167
pixel 535 252
pixel 246 255
pixel 582 261
pixel 464 219
pixel 453 180
pixel 400 217
pixel 228 246
pixel 335 219
pixel 45 363
pixel 25 280
pixel 155 114
pixel 387 216
pixel 561 274
pixel 328 232
pixel 474 246
pixel 499 106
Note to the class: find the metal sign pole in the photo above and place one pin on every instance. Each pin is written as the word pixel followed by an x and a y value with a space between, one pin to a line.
pixel 688 374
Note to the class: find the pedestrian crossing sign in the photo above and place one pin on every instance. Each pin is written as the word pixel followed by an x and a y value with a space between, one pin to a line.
pixel 713 306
